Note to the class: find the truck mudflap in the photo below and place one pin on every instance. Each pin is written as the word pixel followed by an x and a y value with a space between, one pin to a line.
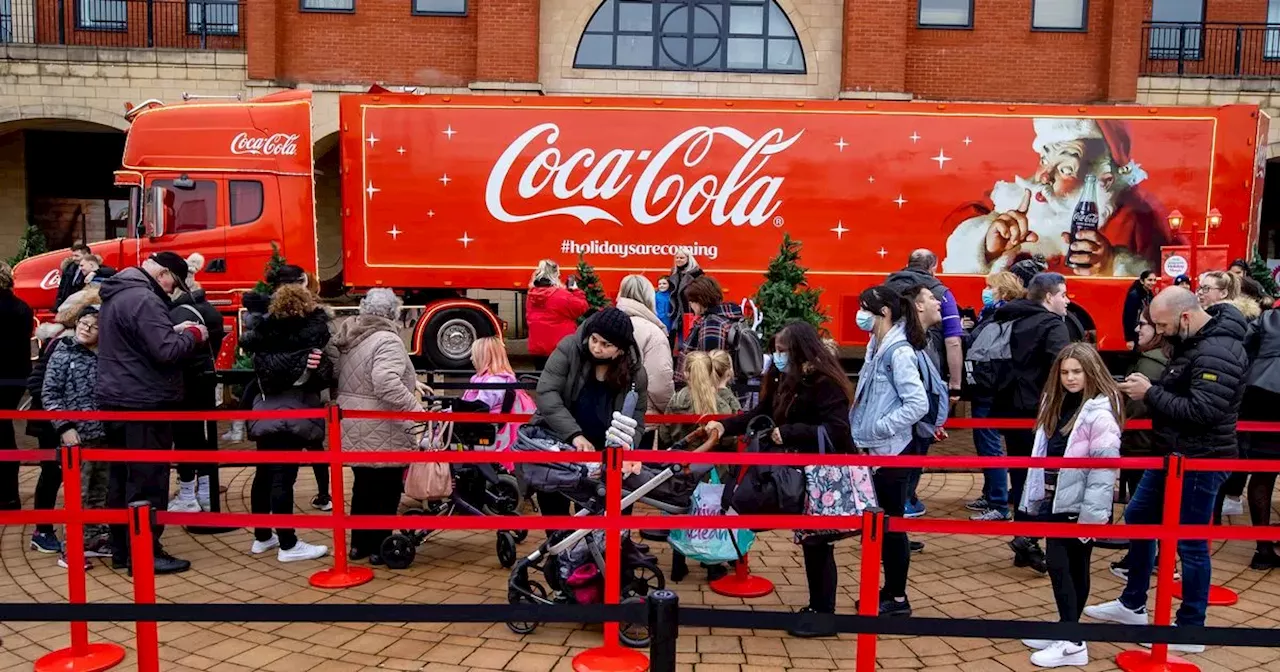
pixel 447 329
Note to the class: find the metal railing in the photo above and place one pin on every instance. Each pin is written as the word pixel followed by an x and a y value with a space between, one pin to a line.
pixel 138 24
pixel 1210 49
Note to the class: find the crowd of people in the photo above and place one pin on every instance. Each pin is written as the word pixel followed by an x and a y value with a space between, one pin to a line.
pixel 144 338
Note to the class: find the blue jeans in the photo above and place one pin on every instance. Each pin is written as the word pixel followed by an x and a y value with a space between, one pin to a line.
pixel 918 446
pixel 995 482
pixel 1199 491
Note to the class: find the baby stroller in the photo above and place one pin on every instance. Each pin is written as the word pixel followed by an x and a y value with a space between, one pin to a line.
pixel 479 489
pixel 572 562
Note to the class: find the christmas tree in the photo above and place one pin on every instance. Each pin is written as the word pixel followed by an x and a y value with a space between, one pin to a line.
pixel 589 283
pixel 1259 271
pixel 274 264
pixel 786 295
pixel 30 244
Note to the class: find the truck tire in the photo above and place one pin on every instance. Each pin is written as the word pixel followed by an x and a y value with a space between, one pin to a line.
pixel 448 336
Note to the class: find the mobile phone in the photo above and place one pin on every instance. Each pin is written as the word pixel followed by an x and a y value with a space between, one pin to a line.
pixel 573 283
pixel 969 313
pixel 1119 379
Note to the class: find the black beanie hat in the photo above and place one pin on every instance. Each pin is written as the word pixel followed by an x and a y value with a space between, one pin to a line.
pixel 614 326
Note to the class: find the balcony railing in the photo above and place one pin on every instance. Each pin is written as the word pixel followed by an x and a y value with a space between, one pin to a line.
pixel 1211 49
pixel 137 24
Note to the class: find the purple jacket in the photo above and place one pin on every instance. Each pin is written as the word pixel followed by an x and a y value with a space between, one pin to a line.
pixel 140 356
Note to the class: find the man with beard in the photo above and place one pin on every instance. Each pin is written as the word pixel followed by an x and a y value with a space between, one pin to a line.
pixel 1033 217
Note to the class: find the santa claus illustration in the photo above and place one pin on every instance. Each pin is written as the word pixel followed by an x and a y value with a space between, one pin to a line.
pixel 1029 217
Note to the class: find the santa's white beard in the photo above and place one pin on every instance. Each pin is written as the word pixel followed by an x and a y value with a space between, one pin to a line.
pixel 1050 218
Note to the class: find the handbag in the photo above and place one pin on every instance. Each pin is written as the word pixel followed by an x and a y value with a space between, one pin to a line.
pixel 426 481
pixel 834 491
pixel 711 546
pixel 766 489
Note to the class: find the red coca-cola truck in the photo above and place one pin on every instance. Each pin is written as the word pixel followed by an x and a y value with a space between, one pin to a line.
pixel 445 194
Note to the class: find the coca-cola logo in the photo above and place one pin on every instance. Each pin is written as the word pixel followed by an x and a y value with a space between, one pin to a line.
pixel 744 195
pixel 51 280
pixel 276 144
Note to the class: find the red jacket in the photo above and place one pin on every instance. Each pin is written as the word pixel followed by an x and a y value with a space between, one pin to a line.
pixel 553 314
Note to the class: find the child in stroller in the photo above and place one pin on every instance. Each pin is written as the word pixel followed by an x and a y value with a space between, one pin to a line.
pixel 572 562
pixel 479 489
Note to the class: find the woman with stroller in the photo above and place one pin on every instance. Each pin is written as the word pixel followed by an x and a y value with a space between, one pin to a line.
pixel 289 347
pixel 804 390
pixel 581 391
pixel 376 374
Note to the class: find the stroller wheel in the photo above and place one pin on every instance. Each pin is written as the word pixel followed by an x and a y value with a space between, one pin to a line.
pixel 634 635
pixel 398 551
pixel 513 597
pixel 642 579
pixel 506 550
pixel 504 497
pixel 520 535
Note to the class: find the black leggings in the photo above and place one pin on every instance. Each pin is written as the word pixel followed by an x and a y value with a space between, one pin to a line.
pixel 50 481
pixel 1261 485
pixel 891 491
pixel 820 570
pixel 1068 561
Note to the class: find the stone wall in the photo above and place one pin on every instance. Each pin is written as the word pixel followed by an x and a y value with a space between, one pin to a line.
pixel 13 191
pixel 1212 91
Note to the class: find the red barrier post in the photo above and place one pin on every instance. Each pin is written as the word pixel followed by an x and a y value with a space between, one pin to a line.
pixel 741 583
pixel 1158 658
pixel 81 656
pixel 873 522
pixel 143 560
pixel 611 656
pixel 341 575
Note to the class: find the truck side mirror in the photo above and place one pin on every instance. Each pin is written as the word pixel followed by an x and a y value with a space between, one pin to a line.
pixel 160 199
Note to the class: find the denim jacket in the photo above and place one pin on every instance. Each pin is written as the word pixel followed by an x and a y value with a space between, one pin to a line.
pixel 890 398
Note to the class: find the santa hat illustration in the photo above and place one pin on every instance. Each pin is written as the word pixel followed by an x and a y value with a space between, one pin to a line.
pixel 1113 132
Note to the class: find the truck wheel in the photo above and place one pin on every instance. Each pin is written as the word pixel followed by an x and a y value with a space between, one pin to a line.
pixel 449 335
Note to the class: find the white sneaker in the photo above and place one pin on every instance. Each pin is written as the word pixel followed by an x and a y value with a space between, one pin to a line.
pixel 260 547
pixel 302 551
pixel 180 505
pixel 1062 654
pixel 1114 612
pixel 1180 648
pixel 1038 644
pixel 202 492
pixel 1233 506
pixel 236 433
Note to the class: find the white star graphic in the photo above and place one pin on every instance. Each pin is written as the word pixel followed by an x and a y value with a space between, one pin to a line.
pixel 449 132
pixel 915 137
pixel 466 240
pixel 882 252
pixel 400 150
pixel 431 213
pixel 967 141
pixel 841 144
pixel 871 179
pixel 445 180
pixel 372 139
pixel 372 190
pixel 899 200
pixel 840 230
pixel 941 158
pixel 395 233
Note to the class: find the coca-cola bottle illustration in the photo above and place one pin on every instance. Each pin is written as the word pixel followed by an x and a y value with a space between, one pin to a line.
pixel 1085 216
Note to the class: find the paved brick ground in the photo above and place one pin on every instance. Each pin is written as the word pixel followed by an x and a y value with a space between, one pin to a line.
pixel 956 576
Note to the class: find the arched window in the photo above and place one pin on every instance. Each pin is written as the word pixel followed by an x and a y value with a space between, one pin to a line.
pixel 693 35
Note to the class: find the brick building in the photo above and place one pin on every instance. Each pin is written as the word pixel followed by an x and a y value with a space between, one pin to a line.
pixel 68 66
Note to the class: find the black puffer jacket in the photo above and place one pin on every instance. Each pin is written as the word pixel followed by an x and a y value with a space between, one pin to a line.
pixel 280 345
pixel 1038 336
pixel 1262 385
pixel 1195 405
pixel 198 383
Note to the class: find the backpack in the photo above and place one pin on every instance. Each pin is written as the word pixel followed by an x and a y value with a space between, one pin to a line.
pixel 934 389
pixel 748 355
pixel 989 365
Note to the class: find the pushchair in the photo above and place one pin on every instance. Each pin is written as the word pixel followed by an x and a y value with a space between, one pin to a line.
pixel 479 489
pixel 572 562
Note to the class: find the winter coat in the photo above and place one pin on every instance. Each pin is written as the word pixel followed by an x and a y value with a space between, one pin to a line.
pixel 1195 404
pixel 1140 442
pixel 711 331
pixel 819 402
pixel 198 382
pixel 682 404
pixel 890 397
pixel 71 280
pixel 1137 299
pixel 662 306
pixel 1085 492
pixel 491 398
pixel 655 352
pixel 553 313
pixel 679 280
pixel 563 379
pixel 1038 336
pixel 17 324
pixel 69 379
pixel 1262 384
pixel 140 356
pixel 375 374
pixel 280 346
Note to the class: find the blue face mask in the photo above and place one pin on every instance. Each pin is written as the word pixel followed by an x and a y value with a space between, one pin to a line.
pixel 866 320
pixel 780 360
pixel 988 296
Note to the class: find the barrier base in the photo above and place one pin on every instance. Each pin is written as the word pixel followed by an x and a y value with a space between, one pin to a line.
pixel 744 586
pixel 1142 661
pixel 97 657
pixel 610 658
pixel 335 579
pixel 1219 596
